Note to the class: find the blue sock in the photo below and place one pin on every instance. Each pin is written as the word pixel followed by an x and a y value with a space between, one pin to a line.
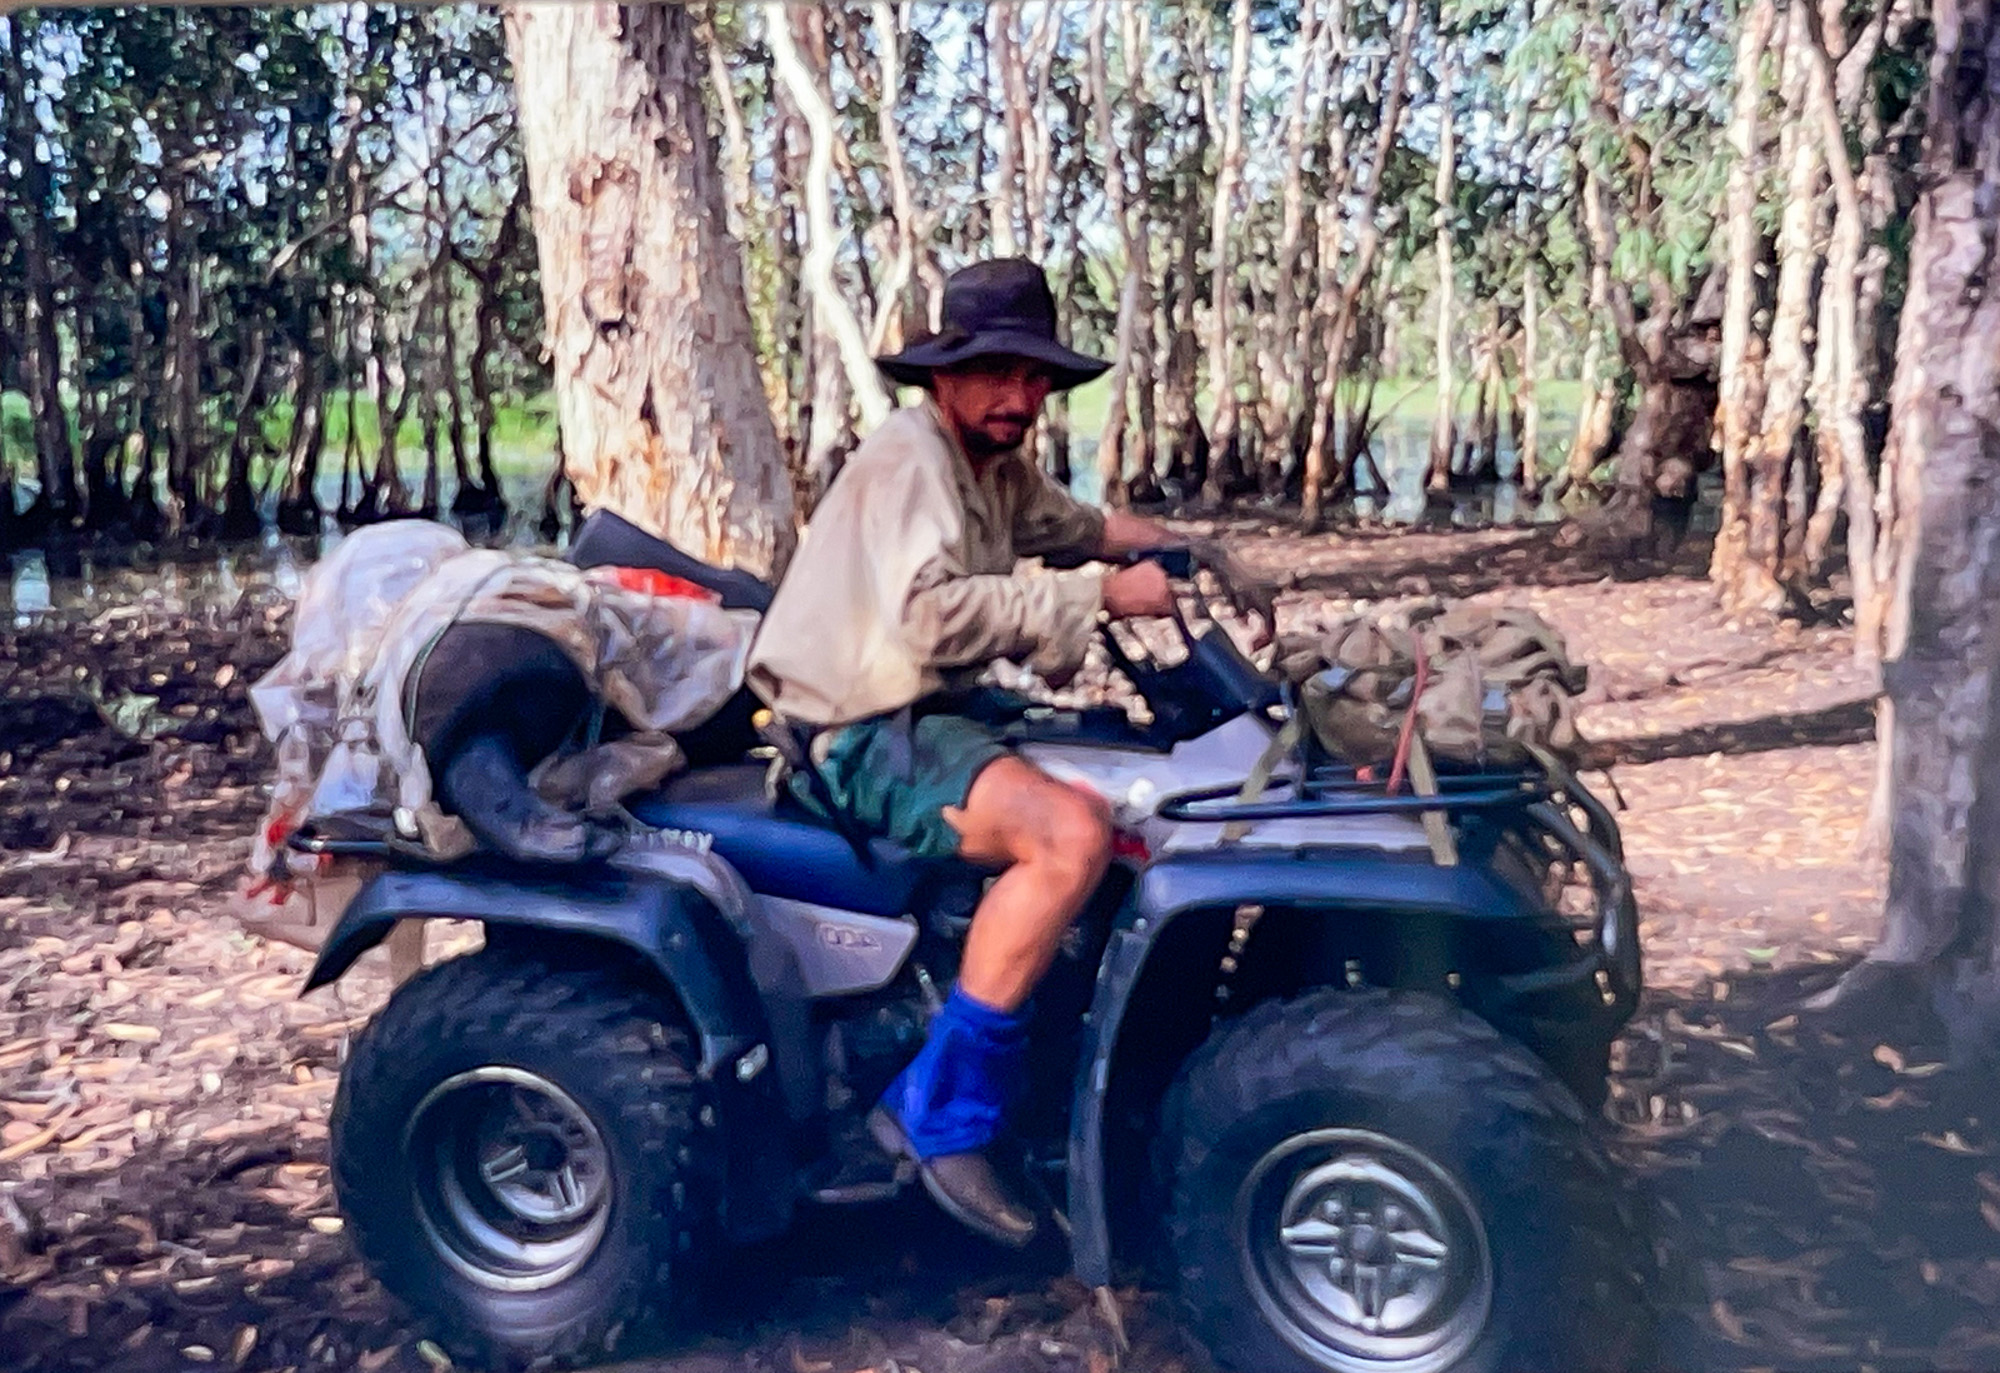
pixel 954 1096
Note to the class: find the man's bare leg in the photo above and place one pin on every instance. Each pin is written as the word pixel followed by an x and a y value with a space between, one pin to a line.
pixel 1055 843
pixel 947 1106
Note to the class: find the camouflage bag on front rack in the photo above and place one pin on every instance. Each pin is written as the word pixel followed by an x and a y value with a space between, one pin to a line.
pixel 1489 686
pixel 1492 685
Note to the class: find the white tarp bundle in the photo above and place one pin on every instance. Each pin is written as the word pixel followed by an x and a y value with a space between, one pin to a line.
pixel 366 619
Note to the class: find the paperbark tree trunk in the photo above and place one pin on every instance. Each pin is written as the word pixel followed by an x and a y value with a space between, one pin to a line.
pixel 662 416
pixel 186 443
pixel 1594 422
pixel 9 517
pixel 298 506
pixel 1368 238
pixel 26 213
pixel 1127 207
pixel 1225 473
pixel 1187 441
pixel 1734 417
pixel 1482 451
pixel 240 519
pixel 1759 585
pixel 488 500
pixel 384 494
pixel 1280 341
pixel 1437 476
pixel 1839 390
pixel 1004 51
pixel 896 317
pixel 1527 427
pixel 1036 65
pixel 1943 916
pixel 837 332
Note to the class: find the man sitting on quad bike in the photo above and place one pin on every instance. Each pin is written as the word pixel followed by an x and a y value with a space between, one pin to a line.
pixel 907 586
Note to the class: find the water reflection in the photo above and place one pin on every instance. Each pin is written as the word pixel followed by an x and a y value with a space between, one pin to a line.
pixel 84 582
pixel 81 584
pixel 1402 451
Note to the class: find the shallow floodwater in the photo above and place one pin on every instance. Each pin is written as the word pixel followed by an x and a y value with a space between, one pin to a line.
pixel 84 584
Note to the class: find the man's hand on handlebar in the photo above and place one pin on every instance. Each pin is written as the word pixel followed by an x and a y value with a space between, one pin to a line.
pixel 1139 590
pixel 1254 598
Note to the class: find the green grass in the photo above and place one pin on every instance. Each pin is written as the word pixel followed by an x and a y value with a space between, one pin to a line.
pixel 17 426
pixel 524 431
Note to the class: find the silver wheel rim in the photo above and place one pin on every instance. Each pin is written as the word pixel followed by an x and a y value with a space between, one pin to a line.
pixel 512 1180
pixel 1364 1254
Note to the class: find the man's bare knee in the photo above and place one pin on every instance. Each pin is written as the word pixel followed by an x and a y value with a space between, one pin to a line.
pixel 1072 833
pixel 1019 814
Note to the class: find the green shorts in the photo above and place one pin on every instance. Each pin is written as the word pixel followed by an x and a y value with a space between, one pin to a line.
pixel 894 775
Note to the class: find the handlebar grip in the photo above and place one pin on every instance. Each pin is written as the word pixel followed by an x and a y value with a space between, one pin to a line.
pixel 1178 563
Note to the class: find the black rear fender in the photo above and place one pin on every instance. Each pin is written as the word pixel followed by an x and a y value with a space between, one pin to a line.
pixel 673 938
pixel 674 933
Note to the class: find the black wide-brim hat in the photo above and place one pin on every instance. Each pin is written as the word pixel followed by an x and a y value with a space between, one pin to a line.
pixel 1001 308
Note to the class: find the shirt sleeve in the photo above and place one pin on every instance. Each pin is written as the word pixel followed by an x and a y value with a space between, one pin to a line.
pixel 1044 619
pixel 1051 523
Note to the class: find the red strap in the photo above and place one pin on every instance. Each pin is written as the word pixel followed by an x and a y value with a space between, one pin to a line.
pixel 649 581
pixel 1423 676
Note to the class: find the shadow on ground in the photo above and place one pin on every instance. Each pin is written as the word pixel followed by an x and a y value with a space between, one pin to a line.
pixel 217 1261
pixel 1847 722
pixel 1836 1193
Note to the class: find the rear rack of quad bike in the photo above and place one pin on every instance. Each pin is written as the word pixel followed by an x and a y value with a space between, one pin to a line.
pixel 1565 839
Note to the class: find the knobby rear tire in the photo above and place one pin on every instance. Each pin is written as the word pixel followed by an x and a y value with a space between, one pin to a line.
pixel 589 1072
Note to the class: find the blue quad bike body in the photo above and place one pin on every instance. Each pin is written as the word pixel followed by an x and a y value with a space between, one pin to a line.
pixel 1335 1092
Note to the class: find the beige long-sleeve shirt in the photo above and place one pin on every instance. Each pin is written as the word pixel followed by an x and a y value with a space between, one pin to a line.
pixel 908 578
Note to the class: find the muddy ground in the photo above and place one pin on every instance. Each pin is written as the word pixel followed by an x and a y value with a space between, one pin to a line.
pixel 1823 1200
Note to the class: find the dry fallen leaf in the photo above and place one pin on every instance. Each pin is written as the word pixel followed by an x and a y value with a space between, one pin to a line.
pixel 133 1034
pixel 22 1148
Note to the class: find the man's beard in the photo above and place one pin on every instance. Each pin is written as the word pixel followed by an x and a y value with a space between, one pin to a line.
pixel 979 443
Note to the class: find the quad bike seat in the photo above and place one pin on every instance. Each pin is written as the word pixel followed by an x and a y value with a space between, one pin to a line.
pixel 782 849
pixel 605 539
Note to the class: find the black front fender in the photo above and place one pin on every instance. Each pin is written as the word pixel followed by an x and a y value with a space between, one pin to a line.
pixel 1170 941
pixel 675 931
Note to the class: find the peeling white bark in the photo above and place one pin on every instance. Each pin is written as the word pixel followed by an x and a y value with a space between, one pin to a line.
pixel 662 416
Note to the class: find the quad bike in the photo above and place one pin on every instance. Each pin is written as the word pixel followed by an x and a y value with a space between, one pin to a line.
pixel 1334 1092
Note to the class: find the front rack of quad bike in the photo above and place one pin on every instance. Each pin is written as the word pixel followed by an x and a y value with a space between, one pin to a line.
pixel 1351 791
pixel 1314 783
pixel 1543 827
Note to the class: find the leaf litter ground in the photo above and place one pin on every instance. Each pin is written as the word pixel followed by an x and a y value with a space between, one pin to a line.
pixel 1822 1198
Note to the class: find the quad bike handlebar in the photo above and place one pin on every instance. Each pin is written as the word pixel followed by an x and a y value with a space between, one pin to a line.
pixel 1229 583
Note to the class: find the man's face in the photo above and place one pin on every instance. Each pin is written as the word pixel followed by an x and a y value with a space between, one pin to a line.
pixel 992 402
